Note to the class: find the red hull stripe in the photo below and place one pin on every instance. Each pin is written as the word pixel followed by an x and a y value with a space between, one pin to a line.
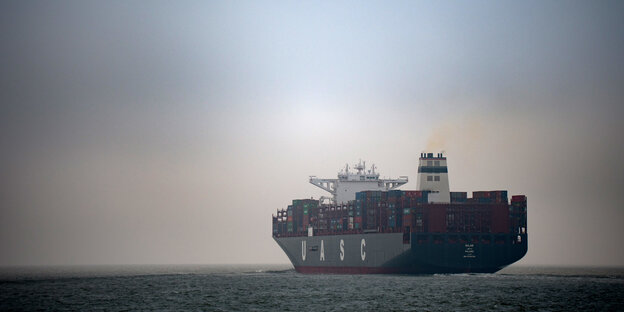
pixel 346 270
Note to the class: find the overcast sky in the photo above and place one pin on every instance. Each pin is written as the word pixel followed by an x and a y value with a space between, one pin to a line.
pixel 145 132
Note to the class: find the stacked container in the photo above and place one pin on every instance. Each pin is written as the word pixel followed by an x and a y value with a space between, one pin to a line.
pixel 301 213
pixel 488 212
pixel 517 214
pixel 289 219
pixel 487 197
pixel 370 205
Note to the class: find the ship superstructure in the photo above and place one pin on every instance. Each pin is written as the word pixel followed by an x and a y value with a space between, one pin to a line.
pixel 385 230
pixel 433 177
pixel 348 183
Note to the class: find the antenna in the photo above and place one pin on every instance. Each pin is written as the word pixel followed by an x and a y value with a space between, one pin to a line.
pixel 359 166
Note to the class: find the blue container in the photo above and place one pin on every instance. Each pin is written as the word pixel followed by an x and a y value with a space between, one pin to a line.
pixel 395 193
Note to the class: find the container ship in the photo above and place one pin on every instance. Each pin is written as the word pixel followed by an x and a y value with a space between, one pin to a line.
pixel 369 226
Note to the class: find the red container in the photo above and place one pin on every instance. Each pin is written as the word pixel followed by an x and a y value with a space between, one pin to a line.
pixel 500 219
pixel 408 220
pixel 481 194
pixel 413 194
pixel 518 198
pixel 437 218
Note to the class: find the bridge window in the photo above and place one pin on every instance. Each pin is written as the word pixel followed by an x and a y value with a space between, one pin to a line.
pixel 429 163
pixel 429 178
pixel 436 163
pixel 436 178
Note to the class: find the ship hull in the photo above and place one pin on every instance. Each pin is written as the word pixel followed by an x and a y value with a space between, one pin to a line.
pixel 396 253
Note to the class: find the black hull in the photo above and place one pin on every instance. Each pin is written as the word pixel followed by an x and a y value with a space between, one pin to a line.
pixel 390 253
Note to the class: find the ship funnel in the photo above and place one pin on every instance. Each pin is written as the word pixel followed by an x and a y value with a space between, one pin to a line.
pixel 433 176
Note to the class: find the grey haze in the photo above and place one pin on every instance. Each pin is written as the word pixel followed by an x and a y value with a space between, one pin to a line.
pixel 167 132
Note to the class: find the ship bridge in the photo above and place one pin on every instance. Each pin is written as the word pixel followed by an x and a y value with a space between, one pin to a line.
pixel 348 183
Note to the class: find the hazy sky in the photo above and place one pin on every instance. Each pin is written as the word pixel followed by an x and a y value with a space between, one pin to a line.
pixel 168 132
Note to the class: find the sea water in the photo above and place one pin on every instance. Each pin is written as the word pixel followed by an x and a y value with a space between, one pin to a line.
pixel 280 288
